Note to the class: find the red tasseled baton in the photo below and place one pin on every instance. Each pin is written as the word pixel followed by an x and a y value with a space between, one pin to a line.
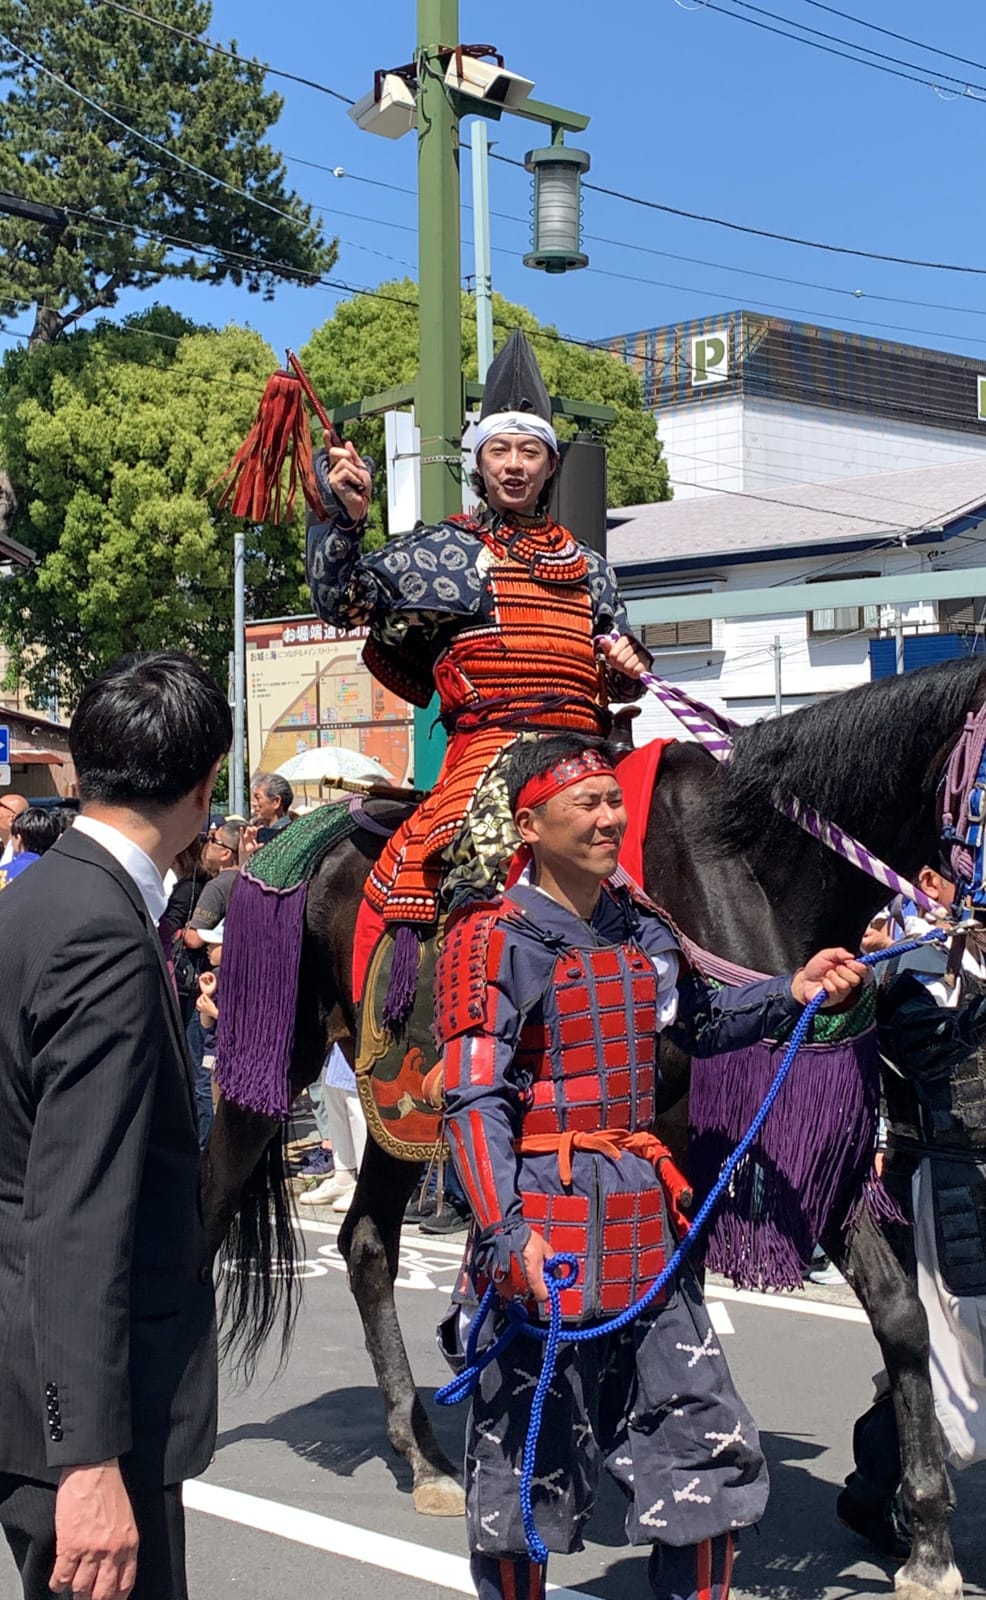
pixel 280 429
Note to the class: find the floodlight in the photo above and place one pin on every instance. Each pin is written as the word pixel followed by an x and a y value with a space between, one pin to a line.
pixel 481 80
pixel 389 108
pixel 557 208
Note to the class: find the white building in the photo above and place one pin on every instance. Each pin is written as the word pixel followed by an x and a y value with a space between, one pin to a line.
pixel 745 402
pixel 928 520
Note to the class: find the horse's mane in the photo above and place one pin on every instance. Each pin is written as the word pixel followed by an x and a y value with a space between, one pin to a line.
pixel 849 755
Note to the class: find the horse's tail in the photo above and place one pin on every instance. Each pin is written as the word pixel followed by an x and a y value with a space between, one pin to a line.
pixel 260 1288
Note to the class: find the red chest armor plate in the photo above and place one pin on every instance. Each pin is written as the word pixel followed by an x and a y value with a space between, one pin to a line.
pixel 515 656
pixel 592 1048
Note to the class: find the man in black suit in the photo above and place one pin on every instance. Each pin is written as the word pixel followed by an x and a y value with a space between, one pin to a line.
pixel 107 1321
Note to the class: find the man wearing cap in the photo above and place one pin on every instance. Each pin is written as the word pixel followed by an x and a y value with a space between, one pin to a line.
pixel 497 612
pixel 549 1002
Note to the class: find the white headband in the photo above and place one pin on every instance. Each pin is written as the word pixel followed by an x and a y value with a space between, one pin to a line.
pixel 515 422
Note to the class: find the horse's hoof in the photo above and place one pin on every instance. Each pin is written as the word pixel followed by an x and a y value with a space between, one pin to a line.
pixel 440 1497
pixel 925 1585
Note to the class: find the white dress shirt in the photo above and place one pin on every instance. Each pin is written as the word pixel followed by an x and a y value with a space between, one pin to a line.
pixel 135 862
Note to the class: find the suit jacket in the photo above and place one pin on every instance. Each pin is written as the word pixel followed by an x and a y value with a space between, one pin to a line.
pixel 107 1318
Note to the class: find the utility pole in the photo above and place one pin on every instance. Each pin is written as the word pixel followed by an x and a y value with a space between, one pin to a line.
pixel 438 401
pixel 899 639
pixel 778 690
pixel 483 253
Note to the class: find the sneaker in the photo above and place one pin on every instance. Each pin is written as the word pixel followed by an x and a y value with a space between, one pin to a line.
pixel 343 1201
pixel 826 1276
pixel 319 1163
pixel 328 1190
pixel 449 1220
pixel 419 1207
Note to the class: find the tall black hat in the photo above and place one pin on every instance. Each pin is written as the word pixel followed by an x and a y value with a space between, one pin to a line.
pixel 514 381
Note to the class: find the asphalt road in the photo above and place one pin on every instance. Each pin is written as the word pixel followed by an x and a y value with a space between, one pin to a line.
pixel 305 1496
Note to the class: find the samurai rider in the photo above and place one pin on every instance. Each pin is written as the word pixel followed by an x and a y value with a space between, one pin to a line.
pixel 496 612
pixel 549 1003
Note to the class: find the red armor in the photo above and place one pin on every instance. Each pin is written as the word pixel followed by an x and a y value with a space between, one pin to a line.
pixel 598 1072
pixel 493 680
pixel 582 1062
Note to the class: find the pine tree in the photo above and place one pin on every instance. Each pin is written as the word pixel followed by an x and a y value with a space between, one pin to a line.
pixel 105 117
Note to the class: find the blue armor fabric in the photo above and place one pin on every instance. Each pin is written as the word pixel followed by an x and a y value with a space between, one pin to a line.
pixel 655 1404
pixel 495 1084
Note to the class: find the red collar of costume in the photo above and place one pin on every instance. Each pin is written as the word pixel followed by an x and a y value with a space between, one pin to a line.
pixel 546 548
pixel 587 764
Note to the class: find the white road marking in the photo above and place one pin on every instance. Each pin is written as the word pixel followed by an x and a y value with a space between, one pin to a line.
pixel 435 1567
pixel 452 1250
pixel 719 1317
pixel 789 1302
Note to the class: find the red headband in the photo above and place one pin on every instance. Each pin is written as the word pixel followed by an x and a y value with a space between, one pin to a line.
pixel 587 764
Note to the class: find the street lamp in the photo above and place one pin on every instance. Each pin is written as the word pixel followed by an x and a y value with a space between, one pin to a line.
pixel 557 228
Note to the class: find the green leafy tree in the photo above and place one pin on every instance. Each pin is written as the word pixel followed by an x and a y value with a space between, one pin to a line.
pixel 112 438
pixel 71 67
pixel 371 344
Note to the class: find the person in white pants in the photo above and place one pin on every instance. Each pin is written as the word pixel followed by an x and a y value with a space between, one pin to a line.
pixel 346 1125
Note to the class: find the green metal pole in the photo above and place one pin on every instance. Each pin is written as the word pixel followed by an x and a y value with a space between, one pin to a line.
pixel 439 403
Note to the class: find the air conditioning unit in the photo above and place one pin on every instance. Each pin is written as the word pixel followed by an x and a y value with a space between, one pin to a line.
pixel 481 80
pixel 390 112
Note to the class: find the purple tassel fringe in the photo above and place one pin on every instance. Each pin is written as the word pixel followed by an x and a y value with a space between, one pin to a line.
pixel 402 984
pixel 259 995
pixel 809 1167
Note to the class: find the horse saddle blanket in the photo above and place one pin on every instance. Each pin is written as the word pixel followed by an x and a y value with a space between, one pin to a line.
pixel 391 1065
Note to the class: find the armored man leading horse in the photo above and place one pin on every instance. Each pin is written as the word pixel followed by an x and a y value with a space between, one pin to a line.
pixel 741 881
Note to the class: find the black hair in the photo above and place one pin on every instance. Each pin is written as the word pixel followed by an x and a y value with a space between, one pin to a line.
pixel 37 828
pixel 228 831
pixel 148 730
pixel 275 788
pixel 532 758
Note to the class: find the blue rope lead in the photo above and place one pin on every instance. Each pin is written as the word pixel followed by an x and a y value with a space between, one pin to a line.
pixel 552 1336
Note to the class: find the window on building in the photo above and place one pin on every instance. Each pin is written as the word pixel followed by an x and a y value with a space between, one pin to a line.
pixel 961 616
pixel 669 635
pixel 832 620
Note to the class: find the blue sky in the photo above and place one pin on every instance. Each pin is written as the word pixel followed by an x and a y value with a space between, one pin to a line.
pixel 689 107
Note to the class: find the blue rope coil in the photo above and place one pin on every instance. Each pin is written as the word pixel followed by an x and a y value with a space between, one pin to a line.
pixel 552 1336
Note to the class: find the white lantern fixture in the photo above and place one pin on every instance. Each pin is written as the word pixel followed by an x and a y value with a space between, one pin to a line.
pixel 557 208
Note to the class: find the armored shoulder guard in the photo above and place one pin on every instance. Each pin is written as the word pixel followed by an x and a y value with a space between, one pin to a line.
pixel 469 956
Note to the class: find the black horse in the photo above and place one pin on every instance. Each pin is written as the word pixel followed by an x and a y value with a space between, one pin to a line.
pixel 740 880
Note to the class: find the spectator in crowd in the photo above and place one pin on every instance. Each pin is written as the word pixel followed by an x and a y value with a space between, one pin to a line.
pixel 32 832
pixel 319 1163
pixel 65 815
pixel 11 806
pixel 185 883
pixel 346 1124
pixel 221 858
pixel 201 1030
pixel 108 1375
pixel 271 797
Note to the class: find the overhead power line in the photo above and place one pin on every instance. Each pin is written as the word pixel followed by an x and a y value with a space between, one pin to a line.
pixel 890 34
pixel 848 54
pixel 230 55
pixel 164 150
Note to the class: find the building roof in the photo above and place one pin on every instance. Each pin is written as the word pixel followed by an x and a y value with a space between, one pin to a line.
pixel 926 504
pixel 745 353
